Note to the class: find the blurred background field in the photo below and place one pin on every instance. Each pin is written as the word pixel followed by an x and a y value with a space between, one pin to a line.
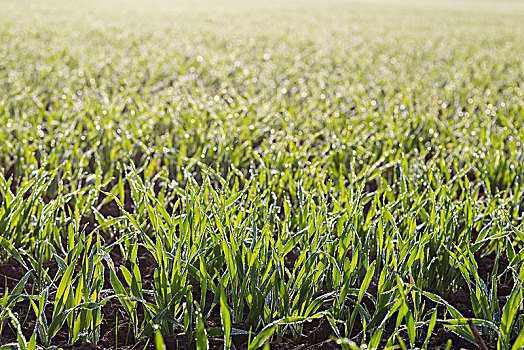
pixel 326 59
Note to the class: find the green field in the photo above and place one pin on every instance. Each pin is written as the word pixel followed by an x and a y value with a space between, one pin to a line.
pixel 279 174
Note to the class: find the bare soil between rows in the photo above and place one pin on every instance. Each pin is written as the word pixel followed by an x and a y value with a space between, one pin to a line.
pixel 317 334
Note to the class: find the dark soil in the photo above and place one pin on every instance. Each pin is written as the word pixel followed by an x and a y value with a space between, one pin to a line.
pixel 316 334
pixel 442 336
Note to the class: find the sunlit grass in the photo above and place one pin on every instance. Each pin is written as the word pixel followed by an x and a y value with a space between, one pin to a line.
pixel 280 162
